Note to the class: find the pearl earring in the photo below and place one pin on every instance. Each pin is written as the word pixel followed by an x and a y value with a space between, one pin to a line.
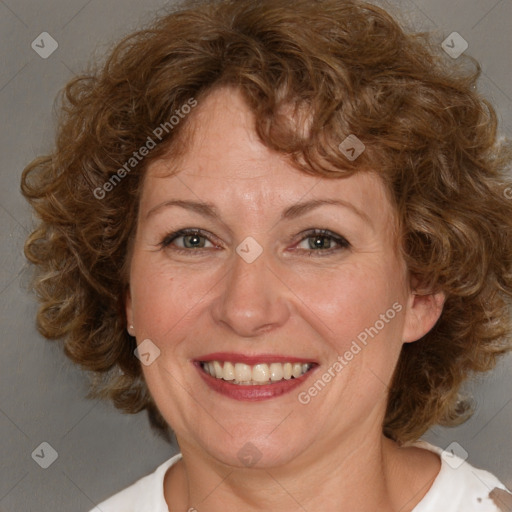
pixel 130 329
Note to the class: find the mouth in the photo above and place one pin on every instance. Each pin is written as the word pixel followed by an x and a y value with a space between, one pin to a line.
pixel 242 374
pixel 253 378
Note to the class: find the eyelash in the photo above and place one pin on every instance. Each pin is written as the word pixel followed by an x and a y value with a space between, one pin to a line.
pixel 312 233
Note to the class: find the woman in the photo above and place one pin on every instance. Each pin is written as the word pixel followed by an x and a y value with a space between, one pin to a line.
pixel 280 228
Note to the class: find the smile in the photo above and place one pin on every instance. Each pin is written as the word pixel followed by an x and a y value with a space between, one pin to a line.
pixel 254 375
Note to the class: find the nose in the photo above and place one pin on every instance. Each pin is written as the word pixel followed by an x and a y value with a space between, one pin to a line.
pixel 253 300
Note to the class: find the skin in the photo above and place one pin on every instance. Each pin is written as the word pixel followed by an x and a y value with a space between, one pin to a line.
pixel 329 454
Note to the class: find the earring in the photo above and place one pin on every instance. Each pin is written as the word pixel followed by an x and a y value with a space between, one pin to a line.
pixel 131 330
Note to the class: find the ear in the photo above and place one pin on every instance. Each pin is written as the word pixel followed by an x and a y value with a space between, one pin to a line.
pixel 422 312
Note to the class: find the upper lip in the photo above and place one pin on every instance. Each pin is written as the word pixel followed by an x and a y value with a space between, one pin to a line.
pixel 252 359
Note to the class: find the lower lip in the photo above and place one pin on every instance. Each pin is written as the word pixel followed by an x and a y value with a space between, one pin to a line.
pixel 252 393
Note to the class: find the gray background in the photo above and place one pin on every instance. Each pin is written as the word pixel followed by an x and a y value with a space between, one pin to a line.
pixel 99 449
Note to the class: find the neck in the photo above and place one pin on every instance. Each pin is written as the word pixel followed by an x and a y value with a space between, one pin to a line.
pixel 367 473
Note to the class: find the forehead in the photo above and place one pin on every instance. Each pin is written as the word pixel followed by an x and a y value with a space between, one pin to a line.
pixel 226 163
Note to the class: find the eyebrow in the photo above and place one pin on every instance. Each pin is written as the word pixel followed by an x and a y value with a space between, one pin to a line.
pixel 301 208
pixel 292 212
pixel 205 209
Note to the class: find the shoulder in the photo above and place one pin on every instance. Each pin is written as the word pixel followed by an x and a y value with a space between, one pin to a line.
pixel 461 487
pixel 147 493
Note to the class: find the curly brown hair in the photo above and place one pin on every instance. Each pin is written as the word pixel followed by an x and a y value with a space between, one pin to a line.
pixel 349 68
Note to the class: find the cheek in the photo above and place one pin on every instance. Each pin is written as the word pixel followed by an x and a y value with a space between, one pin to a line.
pixel 354 301
pixel 165 298
pixel 339 303
pixel 156 302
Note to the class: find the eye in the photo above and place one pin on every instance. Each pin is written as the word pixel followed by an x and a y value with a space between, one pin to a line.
pixel 186 239
pixel 322 241
pixel 313 241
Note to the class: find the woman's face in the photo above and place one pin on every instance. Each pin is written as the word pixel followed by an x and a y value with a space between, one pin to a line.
pixel 258 284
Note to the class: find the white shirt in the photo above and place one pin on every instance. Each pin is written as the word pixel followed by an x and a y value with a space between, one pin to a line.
pixel 458 487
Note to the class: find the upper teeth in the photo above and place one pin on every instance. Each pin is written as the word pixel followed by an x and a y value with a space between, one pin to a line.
pixel 241 373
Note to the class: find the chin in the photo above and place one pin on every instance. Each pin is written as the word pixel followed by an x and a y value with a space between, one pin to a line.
pixel 254 447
